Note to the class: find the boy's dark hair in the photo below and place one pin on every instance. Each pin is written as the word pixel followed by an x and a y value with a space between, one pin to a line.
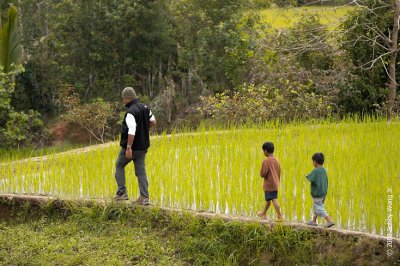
pixel 319 158
pixel 269 147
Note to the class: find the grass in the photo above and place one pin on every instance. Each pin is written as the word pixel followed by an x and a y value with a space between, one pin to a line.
pixel 218 171
pixel 46 242
pixel 118 235
pixel 286 17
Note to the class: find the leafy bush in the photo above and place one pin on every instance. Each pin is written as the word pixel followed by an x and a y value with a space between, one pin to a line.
pixel 16 128
pixel 94 117
pixel 252 104
pixel 262 3
pixel 21 129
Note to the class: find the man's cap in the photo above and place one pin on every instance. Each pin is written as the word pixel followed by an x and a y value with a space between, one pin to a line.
pixel 129 93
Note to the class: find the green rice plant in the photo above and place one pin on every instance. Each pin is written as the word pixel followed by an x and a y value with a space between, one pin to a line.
pixel 218 171
pixel 286 17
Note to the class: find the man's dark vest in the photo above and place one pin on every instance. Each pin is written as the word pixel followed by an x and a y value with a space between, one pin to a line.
pixel 142 117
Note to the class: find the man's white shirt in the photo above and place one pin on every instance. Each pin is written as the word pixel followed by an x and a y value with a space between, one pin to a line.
pixel 131 122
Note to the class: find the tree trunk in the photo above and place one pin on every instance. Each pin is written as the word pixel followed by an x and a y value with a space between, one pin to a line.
pixel 160 79
pixel 189 86
pixel 89 87
pixel 169 96
pixel 393 57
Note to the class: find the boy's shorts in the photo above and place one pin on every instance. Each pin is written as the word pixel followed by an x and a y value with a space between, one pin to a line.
pixel 319 208
pixel 271 195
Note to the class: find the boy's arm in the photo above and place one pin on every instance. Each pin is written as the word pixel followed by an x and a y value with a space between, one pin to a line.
pixel 264 169
pixel 311 176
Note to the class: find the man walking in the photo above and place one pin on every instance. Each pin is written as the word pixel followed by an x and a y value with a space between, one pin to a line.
pixel 134 143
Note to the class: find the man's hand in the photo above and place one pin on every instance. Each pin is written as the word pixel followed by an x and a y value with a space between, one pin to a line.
pixel 129 153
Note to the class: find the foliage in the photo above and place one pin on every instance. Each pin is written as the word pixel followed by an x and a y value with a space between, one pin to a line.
pixel 99 47
pixel 6 89
pixel 201 47
pixel 304 55
pixel 307 40
pixel 22 128
pixel 10 45
pixel 215 42
pixel 260 4
pixel 257 104
pixel 94 117
pixel 16 128
pixel 364 40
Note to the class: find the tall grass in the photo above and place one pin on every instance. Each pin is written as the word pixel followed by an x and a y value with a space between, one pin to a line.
pixel 219 171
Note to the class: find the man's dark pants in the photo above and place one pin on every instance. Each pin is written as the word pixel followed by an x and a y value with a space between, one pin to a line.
pixel 140 171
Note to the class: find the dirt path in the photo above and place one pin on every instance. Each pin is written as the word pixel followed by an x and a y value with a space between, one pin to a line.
pixel 228 218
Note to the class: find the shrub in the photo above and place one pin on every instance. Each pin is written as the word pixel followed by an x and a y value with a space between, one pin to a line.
pixel 16 128
pixel 253 104
pixel 94 117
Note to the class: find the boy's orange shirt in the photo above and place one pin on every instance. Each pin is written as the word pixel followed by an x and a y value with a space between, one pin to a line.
pixel 271 171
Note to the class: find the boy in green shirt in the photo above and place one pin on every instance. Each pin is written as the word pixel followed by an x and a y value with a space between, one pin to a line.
pixel 319 189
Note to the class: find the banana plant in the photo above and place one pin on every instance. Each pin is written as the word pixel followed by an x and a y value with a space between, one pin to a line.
pixel 10 44
pixel 4 5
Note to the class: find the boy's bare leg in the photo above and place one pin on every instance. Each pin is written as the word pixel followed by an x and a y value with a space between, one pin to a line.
pixel 264 211
pixel 266 207
pixel 329 219
pixel 314 219
pixel 277 208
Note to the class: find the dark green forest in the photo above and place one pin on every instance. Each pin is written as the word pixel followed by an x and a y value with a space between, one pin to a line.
pixel 65 62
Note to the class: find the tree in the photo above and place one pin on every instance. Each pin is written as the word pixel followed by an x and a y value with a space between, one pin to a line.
pixel 215 42
pixel 394 44
pixel 371 40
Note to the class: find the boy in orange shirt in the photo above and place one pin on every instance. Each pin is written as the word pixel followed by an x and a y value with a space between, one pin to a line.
pixel 270 171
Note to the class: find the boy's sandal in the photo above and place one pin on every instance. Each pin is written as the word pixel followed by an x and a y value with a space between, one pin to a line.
pixel 312 223
pixel 329 224
pixel 259 214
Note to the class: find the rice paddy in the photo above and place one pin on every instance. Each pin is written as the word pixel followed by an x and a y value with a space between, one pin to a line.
pixel 219 171
pixel 286 17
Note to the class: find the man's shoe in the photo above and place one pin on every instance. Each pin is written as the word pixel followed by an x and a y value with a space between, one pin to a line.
pixel 143 201
pixel 121 197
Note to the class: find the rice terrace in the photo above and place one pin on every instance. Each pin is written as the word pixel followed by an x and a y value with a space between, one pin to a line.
pixel 186 132
pixel 215 171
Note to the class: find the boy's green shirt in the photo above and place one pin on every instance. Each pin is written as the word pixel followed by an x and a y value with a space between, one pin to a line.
pixel 319 182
